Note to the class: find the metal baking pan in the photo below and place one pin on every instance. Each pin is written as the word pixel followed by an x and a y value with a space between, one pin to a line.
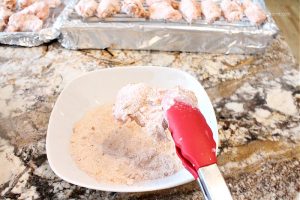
pixel 49 32
pixel 124 32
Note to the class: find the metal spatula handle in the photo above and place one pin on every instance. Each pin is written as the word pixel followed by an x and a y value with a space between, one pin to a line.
pixel 212 183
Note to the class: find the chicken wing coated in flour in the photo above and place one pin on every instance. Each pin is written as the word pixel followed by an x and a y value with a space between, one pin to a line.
pixel 254 12
pixel 108 8
pixel 25 3
pixel 24 23
pixel 5 13
pixel 163 9
pixel 40 9
pixel 210 10
pixel 10 4
pixel 134 8
pixel 86 8
pixel 190 10
pixel 232 10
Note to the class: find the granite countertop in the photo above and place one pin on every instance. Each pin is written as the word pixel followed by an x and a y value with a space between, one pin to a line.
pixel 256 99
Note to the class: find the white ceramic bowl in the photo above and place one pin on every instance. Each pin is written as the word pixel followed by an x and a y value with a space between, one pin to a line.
pixel 98 87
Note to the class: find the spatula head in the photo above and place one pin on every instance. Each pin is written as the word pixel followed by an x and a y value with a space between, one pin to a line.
pixel 192 136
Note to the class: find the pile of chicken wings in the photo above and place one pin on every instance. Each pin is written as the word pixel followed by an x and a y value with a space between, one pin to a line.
pixel 25 15
pixel 172 10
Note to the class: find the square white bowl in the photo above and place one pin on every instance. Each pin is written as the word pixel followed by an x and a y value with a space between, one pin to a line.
pixel 99 87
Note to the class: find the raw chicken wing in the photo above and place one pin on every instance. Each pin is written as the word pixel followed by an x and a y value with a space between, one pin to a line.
pixel 2 25
pixel 173 3
pixel 5 13
pixel 86 8
pixel 53 3
pixel 130 99
pixel 232 10
pixel 24 23
pixel 25 3
pixel 141 103
pixel 190 10
pixel 40 9
pixel 134 8
pixel 10 4
pixel 164 10
pixel 146 105
pixel 178 94
pixel 211 10
pixel 254 13
pixel 108 8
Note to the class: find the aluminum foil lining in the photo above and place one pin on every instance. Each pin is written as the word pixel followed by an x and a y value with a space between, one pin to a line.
pixel 124 32
pixel 49 32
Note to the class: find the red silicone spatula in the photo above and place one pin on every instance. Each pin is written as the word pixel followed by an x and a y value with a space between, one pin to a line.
pixel 197 149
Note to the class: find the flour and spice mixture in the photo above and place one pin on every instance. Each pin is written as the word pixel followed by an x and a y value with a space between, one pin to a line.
pixel 127 142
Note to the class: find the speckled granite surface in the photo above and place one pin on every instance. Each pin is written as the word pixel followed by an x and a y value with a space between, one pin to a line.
pixel 256 98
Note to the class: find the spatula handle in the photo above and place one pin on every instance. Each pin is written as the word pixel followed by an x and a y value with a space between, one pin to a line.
pixel 212 183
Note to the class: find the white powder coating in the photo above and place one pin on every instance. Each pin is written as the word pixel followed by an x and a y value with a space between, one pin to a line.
pixel 141 103
pixel 108 8
pixel 190 10
pixel 146 105
pixel 211 10
pixel 130 100
pixel 178 94
pixel 120 153
pixel 232 10
pixel 134 8
pixel 86 8
pixel 254 12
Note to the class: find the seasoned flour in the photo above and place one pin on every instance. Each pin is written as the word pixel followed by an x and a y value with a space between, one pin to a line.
pixel 120 153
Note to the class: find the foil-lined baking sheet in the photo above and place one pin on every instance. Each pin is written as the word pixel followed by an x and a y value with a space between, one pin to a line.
pixel 50 31
pixel 124 32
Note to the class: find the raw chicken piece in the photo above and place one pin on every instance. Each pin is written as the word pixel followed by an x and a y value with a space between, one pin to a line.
pixel 53 3
pixel 108 8
pixel 190 10
pixel 86 8
pixel 24 23
pixel 173 3
pixel 164 10
pixel 130 99
pixel 211 10
pixel 146 106
pixel 25 3
pixel 5 13
pixel 10 4
pixel 232 10
pixel 150 2
pixel 178 94
pixel 2 25
pixel 141 103
pixel 254 13
pixel 134 8
pixel 40 9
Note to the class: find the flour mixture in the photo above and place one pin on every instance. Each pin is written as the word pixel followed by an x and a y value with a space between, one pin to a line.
pixel 120 153
pixel 129 142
